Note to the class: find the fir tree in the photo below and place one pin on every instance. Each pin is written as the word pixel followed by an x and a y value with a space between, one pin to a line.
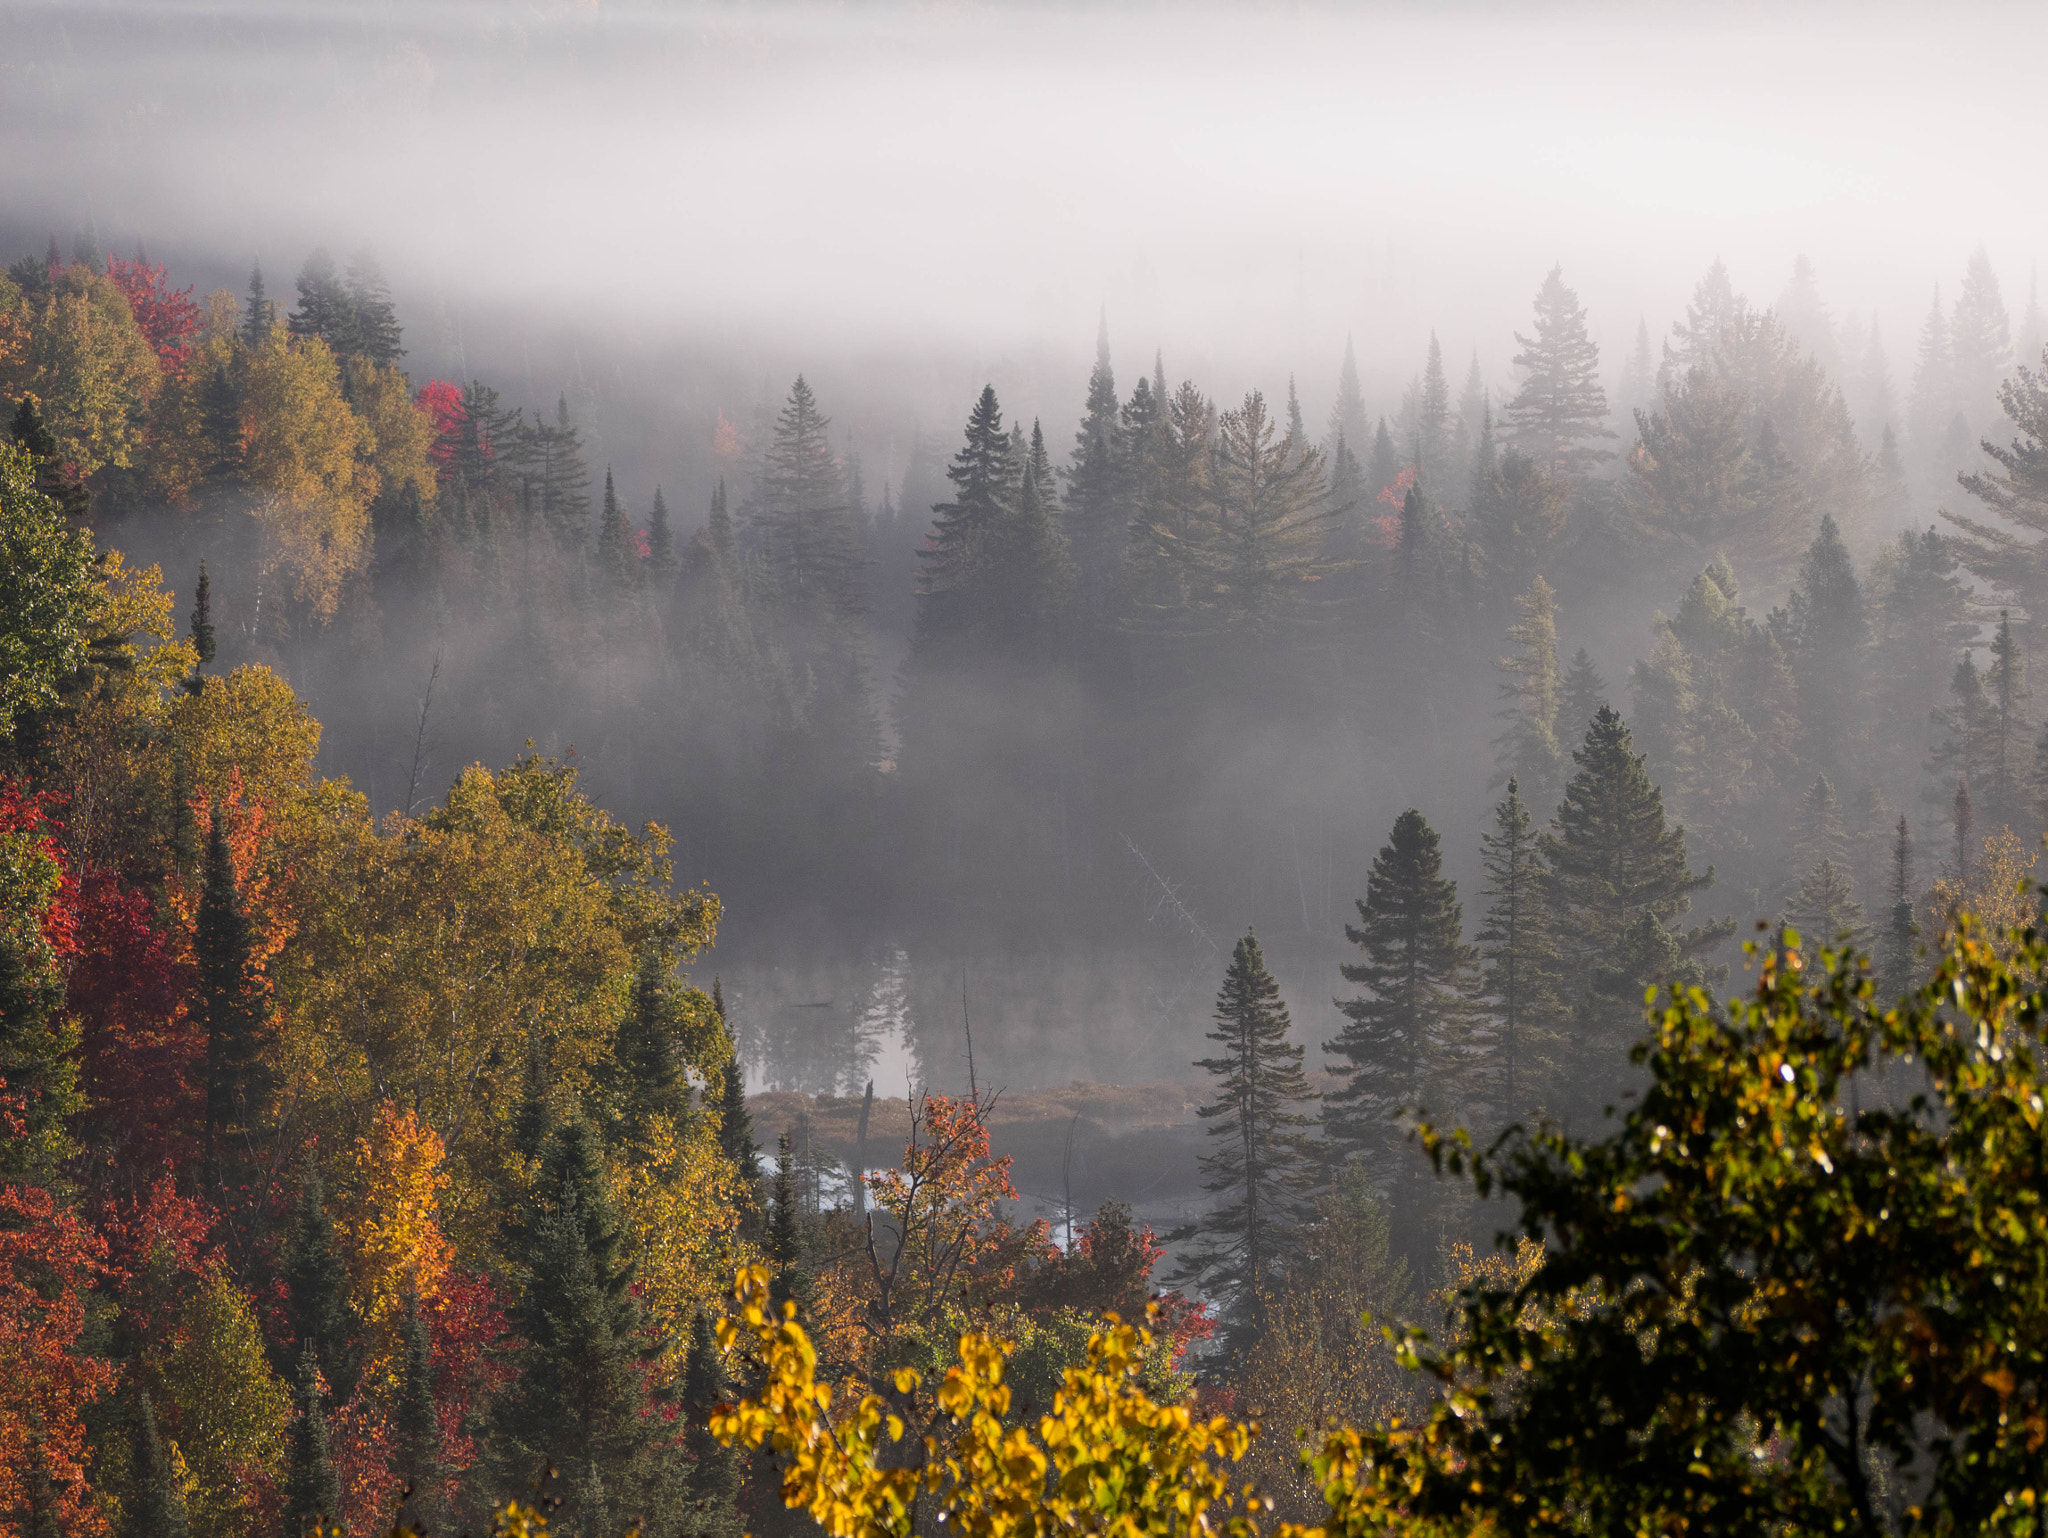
pixel 811 558
pixel 735 1126
pixel 202 630
pixel 1432 424
pixel 1933 386
pixel 374 332
pixel 316 1289
pixel 312 1494
pixel 712 1485
pixel 2006 694
pixel 260 315
pixel 647 1081
pixel 1559 415
pixel 1527 747
pixel 417 1462
pixel 325 309
pixel 1583 693
pixel 577 1397
pixel 1825 910
pixel 1969 725
pixel 1637 388
pixel 788 1247
pixel 1962 826
pixel 1384 465
pixel 232 1008
pixel 1263 1162
pixel 1818 836
pixel 1030 582
pixel 1826 629
pixel 153 1505
pixel 1516 946
pixel 1347 415
pixel 1614 864
pixel 661 545
pixel 1406 1038
pixel 984 474
pixel 1897 965
pixel 1094 498
pixel 1980 339
pixel 615 554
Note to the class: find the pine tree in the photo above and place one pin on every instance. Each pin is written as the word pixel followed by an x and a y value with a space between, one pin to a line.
pixel 312 1493
pixel 1405 1039
pixel 647 1082
pixel 1825 910
pixel 316 1289
pixel 1263 1162
pixel 1516 946
pixel 2006 696
pixel 577 1398
pixel 1615 865
pixel 1584 692
pixel 1094 499
pixel 615 553
pixel 232 1007
pixel 1980 339
pixel 1560 413
pixel 373 323
pixel 1527 748
pixel 202 630
pixel 1826 630
pixel 260 315
pixel 2013 558
pixel 1898 962
pixel 153 1505
pixel 712 1485
pixel 1818 836
pixel 417 1462
pixel 1968 724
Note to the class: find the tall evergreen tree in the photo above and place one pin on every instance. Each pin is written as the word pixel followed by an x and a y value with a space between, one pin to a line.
pixel 647 1081
pixel 661 545
pixel 1980 340
pixel 1530 687
pixel 316 1289
pixel 1432 424
pixel 1897 965
pixel 615 554
pixel 1618 880
pixel 2006 695
pixel 1407 1038
pixel 1559 415
pixel 1825 630
pixel 260 314
pixel 1520 959
pixel 202 629
pixel 1934 392
pixel 325 309
pixel 1824 910
pixel 1347 415
pixel 153 1504
pixel 811 557
pixel 1583 692
pixel 232 1007
pixel 984 474
pixel 1962 834
pixel 1818 836
pixel 1094 502
pixel 373 322
pixel 712 1485
pixel 1968 725
pixel 1383 466
pixel 417 1461
pixel 788 1243
pixel 1030 582
pixel 735 1126
pixel 312 1493
pixel 1262 1164
pixel 2010 554
pixel 577 1398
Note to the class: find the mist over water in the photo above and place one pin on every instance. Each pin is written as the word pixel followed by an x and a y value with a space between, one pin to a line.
pixel 659 216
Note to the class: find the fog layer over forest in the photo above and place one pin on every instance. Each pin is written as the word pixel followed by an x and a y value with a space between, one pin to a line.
pixel 1024 497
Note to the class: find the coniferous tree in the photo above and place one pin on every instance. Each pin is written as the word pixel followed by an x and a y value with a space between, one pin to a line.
pixel 810 553
pixel 1582 694
pixel 1030 582
pixel 1407 1038
pixel 316 1289
pixel 260 314
pixel 1297 425
pixel 1431 426
pixel 202 629
pixel 735 1126
pixel 417 1461
pixel 1384 465
pixel 615 555
pixel 1825 629
pixel 1520 510
pixel 533 1123
pixel 1962 826
pixel 1980 340
pixel 984 474
pixel 232 1006
pixel 661 545
pixel 153 1505
pixel 1897 965
pixel 312 1493
pixel 1347 414
pixel 788 1246
pixel 2006 696
pixel 1618 879
pixel 1969 725
pixel 1818 836
pixel 1824 910
pixel 712 1485
pixel 1559 415
pixel 1263 1163
pixel 1637 388
pixel 1516 946
pixel 2014 486
pixel 1094 500
pixel 1527 747
pixel 647 1081
pixel 577 1399
pixel 1933 392
pixel 325 309
pixel 374 332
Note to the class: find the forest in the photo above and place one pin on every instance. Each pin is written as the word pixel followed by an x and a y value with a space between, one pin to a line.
pixel 379 774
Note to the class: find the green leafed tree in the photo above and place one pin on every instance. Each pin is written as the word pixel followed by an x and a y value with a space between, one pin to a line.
pixel 49 600
pixel 1262 1163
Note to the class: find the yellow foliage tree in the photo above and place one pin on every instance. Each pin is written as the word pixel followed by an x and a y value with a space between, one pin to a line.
pixel 309 460
pixel 401 435
pixel 183 447
pixel 1997 894
pixel 82 356
pixel 388 1217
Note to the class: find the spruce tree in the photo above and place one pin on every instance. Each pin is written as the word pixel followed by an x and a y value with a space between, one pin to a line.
pixel 1980 339
pixel 1559 415
pixel 1527 748
pixel 373 322
pixel 2006 695
pixel 1825 910
pixel 1826 630
pixel 955 557
pixel 615 554
pixel 1432 424
pixel 1347 416
pixel 1263 1161
pixel 1969 725
pixel 788 1247
pixel 417 1461
pixel 811 559
pixel 735 1126
pixel 1520 958
pixel 712 1485
pixel 647 1081
pixel 1094 499
pixel 1384 464
pixel 260 315
pixel 202 630
pixel 232 1008
pixel 1898 963
pixel 1614 865
pixel 661 545
pixel 1406 1039
pixel 316 1289
pixel 576 1399
pixel 153 1505
pixel 1030 583
pixel 312 1493
pixel 325 309
pixel 1818 834
pixel 1583 692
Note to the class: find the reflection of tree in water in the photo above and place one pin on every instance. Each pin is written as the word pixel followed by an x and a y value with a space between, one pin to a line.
pixel 819 1029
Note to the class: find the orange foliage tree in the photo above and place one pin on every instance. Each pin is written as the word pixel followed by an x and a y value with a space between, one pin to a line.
pixel 389 1220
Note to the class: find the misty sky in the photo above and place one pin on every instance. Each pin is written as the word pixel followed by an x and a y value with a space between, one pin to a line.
pixel 1239 183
